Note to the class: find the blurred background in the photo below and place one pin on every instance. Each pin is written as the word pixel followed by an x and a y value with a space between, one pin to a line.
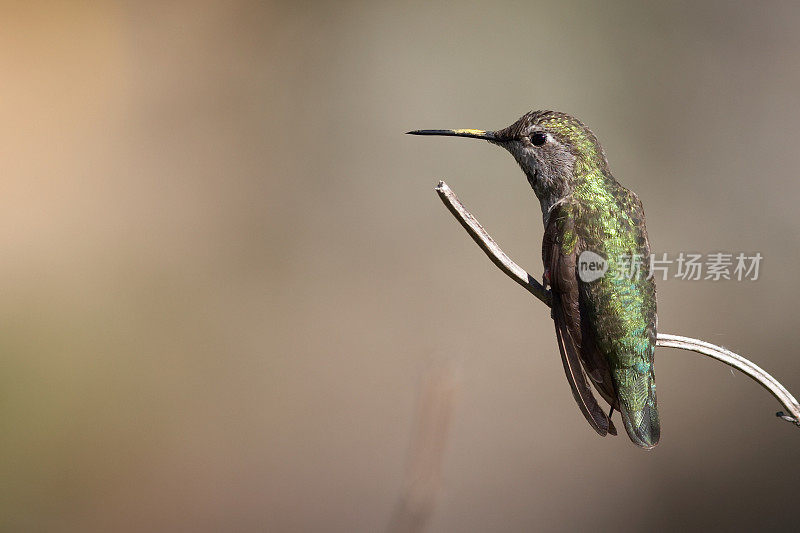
pixel 227 283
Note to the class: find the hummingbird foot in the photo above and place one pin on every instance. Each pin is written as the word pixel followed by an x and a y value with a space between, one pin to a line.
pixel 545 284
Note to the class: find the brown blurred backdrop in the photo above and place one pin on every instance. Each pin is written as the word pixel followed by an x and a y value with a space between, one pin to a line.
pixel 225 273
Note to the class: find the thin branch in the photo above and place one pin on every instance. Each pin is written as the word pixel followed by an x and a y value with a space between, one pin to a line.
pixel 487 244
pixel 738 362
pixel 518 274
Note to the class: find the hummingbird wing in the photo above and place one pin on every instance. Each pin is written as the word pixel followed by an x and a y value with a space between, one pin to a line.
pixel 560 258
pixel 596 365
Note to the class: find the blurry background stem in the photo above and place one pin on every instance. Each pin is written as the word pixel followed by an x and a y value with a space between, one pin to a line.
pixel 426 451
pixel 518 274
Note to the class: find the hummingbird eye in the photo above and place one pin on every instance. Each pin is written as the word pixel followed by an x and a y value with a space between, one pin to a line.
pixel 538 138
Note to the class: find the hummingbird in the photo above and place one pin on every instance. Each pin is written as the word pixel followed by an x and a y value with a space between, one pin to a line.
pixel 605 326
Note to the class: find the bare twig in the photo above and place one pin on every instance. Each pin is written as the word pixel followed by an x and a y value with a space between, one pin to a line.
pixel 487 244
pixel 738 362
pixel 665 340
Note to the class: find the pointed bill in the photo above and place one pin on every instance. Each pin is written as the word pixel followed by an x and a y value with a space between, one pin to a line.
pixel 473 134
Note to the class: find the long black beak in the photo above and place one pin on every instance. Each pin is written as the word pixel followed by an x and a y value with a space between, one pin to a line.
pixel 474 134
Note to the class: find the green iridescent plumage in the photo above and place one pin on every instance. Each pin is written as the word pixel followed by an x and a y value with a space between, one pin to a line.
pixel 605 327
pixel 619 308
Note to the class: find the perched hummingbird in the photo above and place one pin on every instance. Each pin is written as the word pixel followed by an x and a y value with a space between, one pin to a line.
pixel 606 325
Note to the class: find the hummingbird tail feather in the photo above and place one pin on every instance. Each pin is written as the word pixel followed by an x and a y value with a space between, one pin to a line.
pixel 612 430
pixel 581 391
pixel 643 425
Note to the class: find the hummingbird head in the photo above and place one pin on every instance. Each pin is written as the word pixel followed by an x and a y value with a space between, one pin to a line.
pixel 555 150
